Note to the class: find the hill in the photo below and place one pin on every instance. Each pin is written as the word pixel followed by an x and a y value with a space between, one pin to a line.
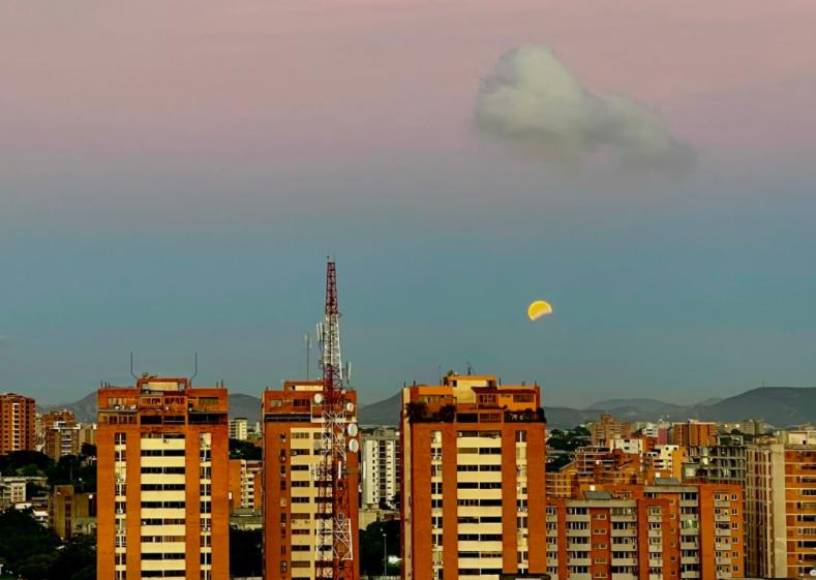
pixel 779 406
pixel 385 412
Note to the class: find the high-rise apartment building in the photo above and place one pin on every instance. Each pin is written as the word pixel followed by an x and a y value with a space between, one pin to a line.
pixel 245 483
pixel 61 434
pixel 17 423
pixel 238 428
pixel 294 450
pixel 607 428
pixel 694 434
pixel 660 531
pixel 162 507
pixel 780 505
pixel 720 463
pixel 380 466
pixel 473 488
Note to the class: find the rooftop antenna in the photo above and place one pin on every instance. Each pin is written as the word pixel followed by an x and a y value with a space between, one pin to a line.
pixel 335 549
pixel 195 369
pixel 308 343
pixel 133 374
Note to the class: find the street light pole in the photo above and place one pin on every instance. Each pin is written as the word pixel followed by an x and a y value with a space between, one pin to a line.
pixel 385 554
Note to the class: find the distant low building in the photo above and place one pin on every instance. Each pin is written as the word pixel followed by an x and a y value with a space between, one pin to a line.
pixel 607 428
pixel 14 489
pixel 61 434
pixel 723 462
pixel 694 434
pixel 87 434
pixel 71 513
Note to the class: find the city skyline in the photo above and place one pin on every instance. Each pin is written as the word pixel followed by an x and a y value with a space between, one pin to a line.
pixel 168 205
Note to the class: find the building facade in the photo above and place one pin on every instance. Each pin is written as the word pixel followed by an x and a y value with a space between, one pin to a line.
pixel 473 488
pixel 380 467
pixel 72 513
pixel 238 428
pixel 694 434
pixel 245 483
pixel 720 463
pixel 780 502
pixel 653 532
pixel 61 434
pixel 293 456
pixel 18 423
pixel 162 489
pixel 607 428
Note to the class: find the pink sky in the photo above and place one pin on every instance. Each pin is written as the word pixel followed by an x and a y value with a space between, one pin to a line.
pixel 307 80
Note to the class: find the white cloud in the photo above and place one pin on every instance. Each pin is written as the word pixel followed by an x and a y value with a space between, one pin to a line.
pixel 532 100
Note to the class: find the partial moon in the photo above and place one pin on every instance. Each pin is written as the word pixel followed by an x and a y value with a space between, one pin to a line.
pixel 538 309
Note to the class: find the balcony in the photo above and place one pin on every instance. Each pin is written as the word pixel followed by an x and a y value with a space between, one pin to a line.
pixel 624 561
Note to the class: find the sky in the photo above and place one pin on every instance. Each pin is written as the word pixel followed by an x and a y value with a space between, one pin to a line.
pixel 173 176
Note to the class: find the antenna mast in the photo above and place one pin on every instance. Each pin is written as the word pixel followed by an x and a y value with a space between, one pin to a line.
pixel 335 553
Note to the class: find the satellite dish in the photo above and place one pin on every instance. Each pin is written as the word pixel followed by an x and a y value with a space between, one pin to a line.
pixel 352 429
pixel 349 406
pixel 354 445
pixel 318 398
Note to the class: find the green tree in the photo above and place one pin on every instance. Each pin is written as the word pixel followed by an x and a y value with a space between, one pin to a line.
pixel 37 567
pixel 88 450
pixel 22 538
pixel 75 470
pixel 372 548
pixel 16 461
pixel 75 558
pixel 246 558
pixel 244 450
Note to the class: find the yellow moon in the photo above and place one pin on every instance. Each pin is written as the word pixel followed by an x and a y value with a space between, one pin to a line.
pixel 538 309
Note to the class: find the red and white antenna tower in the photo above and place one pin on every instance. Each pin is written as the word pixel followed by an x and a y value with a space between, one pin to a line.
pixel 335 551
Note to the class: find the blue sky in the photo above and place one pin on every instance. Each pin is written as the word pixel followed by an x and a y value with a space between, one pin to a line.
pixel 178 192
pixel 699 290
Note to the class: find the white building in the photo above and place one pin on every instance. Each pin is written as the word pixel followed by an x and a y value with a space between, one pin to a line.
pixel 238 428
pixel 379 456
